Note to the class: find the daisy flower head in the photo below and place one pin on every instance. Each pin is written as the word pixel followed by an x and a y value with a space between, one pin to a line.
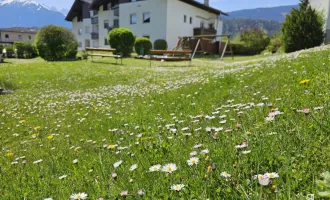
pixel 193 153
pixel 177 187
pixel 272 175
pixel 79 196
pixel 205 151
pixel 193 161
pixel 155 168
pixel 117 164
pixel 169 168
pixel 263 180
pixel 225 174
pixel 246 152
pixel 133 167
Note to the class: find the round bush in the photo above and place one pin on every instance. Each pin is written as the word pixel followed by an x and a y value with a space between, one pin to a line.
pixel 144 43
pixel 56 43
pixel 160 44
pixel 122 39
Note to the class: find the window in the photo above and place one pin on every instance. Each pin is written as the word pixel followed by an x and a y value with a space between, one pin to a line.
pixel 211 26
pixel 106 23
pixel 146 17
pixel 185 18
pixel 133 19
pixel 116 23
pixel 146 36
pixel 30 37
pixel 190 20
pixel 20 37
pixel 106 42
pixel 6 36
pixel 79 31
pixel 202 24
pixel 87 30
pixel 133 0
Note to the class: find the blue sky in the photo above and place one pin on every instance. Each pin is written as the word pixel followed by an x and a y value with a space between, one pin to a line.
pixel 224 5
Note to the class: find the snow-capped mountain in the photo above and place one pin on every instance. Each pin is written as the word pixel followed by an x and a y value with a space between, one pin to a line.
pixel 29 13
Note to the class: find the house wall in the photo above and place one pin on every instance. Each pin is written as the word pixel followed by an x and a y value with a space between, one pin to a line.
pixel 156 29
pixel 323 6
pixel 176 25
pixel 82 31
pixel 103 32
pixel 16 36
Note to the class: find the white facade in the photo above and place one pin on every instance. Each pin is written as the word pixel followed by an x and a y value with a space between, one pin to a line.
pixel 323 6
pixel 168 20
pixel 82 31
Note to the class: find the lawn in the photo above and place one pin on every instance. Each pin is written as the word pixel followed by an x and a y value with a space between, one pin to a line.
pixel 169 131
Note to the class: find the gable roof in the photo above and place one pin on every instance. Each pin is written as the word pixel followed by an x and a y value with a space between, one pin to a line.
pixel 20 30
pixel 204 7
pixel 76 9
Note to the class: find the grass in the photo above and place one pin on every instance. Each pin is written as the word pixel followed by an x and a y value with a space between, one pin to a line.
pixel 67 123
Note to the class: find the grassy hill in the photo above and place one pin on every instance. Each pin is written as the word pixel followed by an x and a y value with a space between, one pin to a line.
pixel 239 131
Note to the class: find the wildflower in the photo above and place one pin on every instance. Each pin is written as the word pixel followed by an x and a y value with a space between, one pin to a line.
pixel 62 177
pixel 207 158
pixel 50 137
pixel 197 146
pixel 75 161
pixel 140 192
pixel 304 81
pixel 177 187
pixel 37 128
pixel 37 161
pixel 79 196
pixel 14 163
pixel 169 168
pixel 10 154
pixel 48 199
pixel 22 121
pixel 124 193
pixel 243 145
pixel 263 180
pixel 114 175
pixel 205 151
pixel 133 167
pixel 117 164
pixel 34 135
pixel 209 169
pixel 193 161
pixel 225 175
pixel 246 152
pixel 272 175
pixel 155 168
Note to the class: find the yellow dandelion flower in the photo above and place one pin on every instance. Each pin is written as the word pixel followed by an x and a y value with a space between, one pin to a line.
pixel 304 81
pixel 10 154
pixel 34 135
pixel 209 169
pixel 111 146
pixel 22 121
pixel 207 158
pixel 50 137
pixel 37 128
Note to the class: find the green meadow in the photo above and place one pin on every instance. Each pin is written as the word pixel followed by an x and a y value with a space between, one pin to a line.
pixel 212 130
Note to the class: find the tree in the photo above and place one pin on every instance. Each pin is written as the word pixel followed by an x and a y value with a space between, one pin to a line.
pixel 303 28
pixel 56 43
pixel 122 39
pixel 255 39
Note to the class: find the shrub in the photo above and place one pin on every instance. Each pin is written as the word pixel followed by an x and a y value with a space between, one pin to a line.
pixel 122 39
pixel 275 44
pixel 160 44
pixel 10 52
pixel 144 43
pixel 255 39
pixel 25 50
pixel 302 28
pixel 239 48
pixel 56 43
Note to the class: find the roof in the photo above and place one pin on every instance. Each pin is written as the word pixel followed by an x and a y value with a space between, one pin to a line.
pixel 19 30
pixel 76 9
pixel 204 7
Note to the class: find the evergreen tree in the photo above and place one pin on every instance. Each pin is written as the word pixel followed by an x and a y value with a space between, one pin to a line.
pixel 303 28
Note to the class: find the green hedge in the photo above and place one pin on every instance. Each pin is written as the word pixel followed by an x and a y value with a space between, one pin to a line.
pixel 25 50
pixel 122 39
pixel 160 44
pixel 240 48
pixel 142 43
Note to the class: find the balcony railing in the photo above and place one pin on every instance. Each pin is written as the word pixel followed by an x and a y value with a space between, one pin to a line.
pixel 95 20
pixel 95 36
pixel 204 31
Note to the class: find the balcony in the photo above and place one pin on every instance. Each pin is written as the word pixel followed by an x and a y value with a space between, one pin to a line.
pixel 112 27
pixel 95 35
pixel 116 12
pixel 204 31
pixel 95 20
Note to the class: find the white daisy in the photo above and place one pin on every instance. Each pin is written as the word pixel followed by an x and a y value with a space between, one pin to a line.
pixel 133 167
pixel 205 151
pixel 79 196
pixel 225 175
pixel 177 187
pixel 117 164
pixel 193 161
pixel 246 152
pixel 155 168
pixel 62 177
pixel 272 175
pixel 169 168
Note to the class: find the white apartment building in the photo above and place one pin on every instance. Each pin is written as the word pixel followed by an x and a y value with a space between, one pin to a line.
pixel 155 19
pixel 323 6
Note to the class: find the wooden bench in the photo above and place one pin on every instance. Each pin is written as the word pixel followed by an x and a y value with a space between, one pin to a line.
pixel 185 53
pixel 93 50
